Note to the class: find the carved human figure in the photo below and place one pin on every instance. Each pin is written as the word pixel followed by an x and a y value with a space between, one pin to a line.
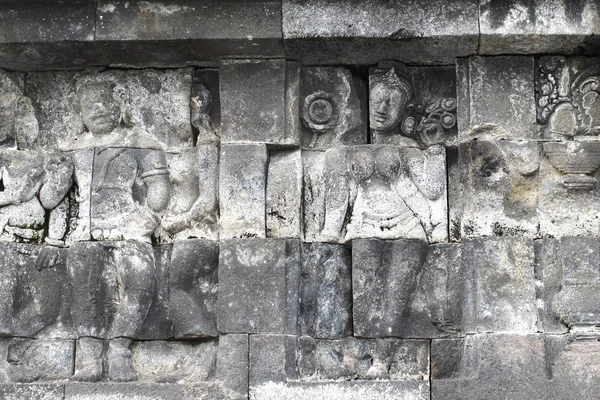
pixel 389 197
pixel 130 187
pixel 201 103
pixel 390 98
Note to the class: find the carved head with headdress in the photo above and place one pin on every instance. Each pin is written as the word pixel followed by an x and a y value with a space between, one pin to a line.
pixel 101 109
pixel 389 96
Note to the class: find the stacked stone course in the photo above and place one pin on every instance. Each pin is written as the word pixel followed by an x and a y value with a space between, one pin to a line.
pixel 322 200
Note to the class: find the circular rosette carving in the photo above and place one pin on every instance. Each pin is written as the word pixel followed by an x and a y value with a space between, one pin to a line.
pixel 320 112
pixel 409 125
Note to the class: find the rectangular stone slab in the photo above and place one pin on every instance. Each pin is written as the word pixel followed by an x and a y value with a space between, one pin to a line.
pixel 242 187
pixel 253 98
pixel 500 285
pixel 258 286
pixel 321 32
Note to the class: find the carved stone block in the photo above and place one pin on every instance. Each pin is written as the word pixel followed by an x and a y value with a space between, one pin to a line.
pixel 570 286
pixel 193 288
pixel 332 108
pixel 412 107
pixel 258 286
pixel 284 194
pixel 437 305
pixel 502 98
pixel 325 309
pixel 500 285
pixel 183 34
pixel 113 287
pixel 242 187
pixel 286 367
pixel 193 207
pixel 346 32
pixel 477 366
pixel 385 192
pixel 32 391
pixel 130 187
pixel 499 184
pixel 253 97
pixel 205 106
pixel 144 108
pixel 385 276
pixel 31 360
pixel 232 364
pixel 57 42
pixel 568 181
pixel 35 291
pixel 554 27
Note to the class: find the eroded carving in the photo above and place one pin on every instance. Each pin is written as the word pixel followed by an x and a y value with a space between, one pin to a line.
pixel 332 108
pixel 384 192
pixel 396 114
pixel 568 97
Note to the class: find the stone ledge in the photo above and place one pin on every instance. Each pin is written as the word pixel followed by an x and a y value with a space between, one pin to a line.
pixel 36 35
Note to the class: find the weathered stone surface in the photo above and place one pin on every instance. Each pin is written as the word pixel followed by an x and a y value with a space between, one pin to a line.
pixel 494 366
pixel 576 304
pixel 384 279
pixel 36 36
pixel 258 286
pixel 193 288
pixel 193 207
pixel 173 362
pixel 253 94
pixel 500 285
pixel 34 184
pixel 146 391
pixel 206 106
pixel 384 192
pixel 129 188
pixel 113 287
pixel 35 291
pixel 549 280
pixel 333 108
pixel 502 98
pixel 437 305
pixel 353 390
pixel 456 195
pixel 187 33
pixel 242 187
pixel 284 194
pixel 565 92
pixel 561 27
pixel 346 368
pixel 32 391
pixel 320 32
pixel 568 182
pixel 413 107
pixel 138 108
pixel 30 360
pixel 232 365
pixel 362 359
pixel 499 188
pixel 572 365
pixel 325 309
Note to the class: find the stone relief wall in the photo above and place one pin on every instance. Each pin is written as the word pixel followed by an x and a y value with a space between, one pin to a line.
pixel 273 230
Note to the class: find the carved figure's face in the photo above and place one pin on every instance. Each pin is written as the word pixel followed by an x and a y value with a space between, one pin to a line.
pixel 99 109
pixel 386 107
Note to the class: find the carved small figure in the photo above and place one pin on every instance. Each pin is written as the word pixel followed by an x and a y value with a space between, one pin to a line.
pixel 201 104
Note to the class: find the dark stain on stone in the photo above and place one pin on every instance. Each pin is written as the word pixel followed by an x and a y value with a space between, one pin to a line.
pixel 574 9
